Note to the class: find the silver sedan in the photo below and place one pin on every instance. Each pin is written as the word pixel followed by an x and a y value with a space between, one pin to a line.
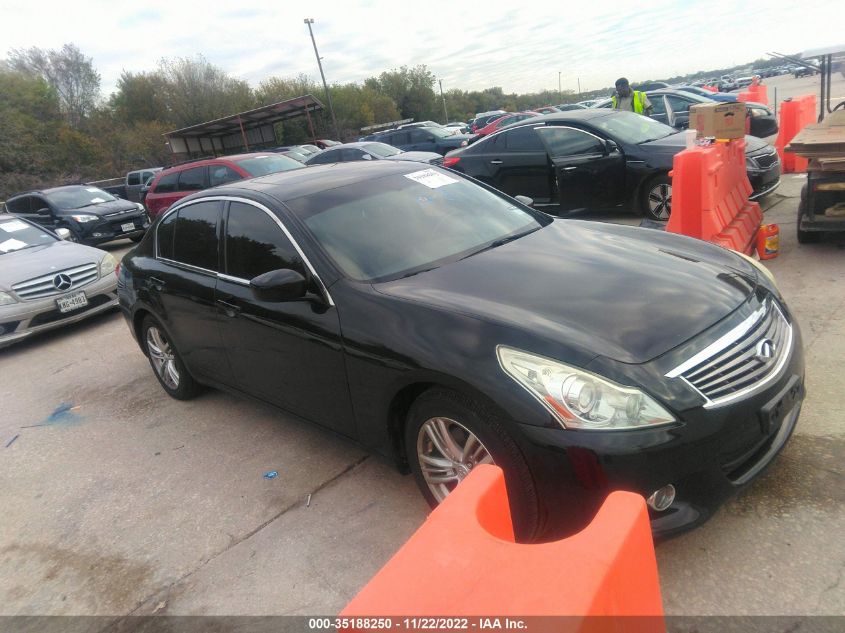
pixel 46 282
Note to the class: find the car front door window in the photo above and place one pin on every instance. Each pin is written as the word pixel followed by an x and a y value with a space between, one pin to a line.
pixel 285 352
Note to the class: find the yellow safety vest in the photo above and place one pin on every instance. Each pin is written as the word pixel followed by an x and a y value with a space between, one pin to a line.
pixel 637 102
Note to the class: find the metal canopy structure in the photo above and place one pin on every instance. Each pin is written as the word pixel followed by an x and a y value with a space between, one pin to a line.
pixel 241 131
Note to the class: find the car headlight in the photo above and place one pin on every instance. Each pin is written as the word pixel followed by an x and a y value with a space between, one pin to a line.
pixel 580 399
pixel 140 206
pixel 6 299
pixel 768 277
pixel 84 217
pixel 107 265
pixel 750 164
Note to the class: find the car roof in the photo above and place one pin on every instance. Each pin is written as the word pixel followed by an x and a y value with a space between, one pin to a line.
pixel 232 158
pixel 296 183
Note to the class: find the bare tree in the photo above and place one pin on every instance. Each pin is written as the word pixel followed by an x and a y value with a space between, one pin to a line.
pixel 70 74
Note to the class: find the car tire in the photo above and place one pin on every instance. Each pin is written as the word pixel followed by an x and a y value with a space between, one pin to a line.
pixel 469 424
pixel 165 361
pixel 805 237
pixel 656 198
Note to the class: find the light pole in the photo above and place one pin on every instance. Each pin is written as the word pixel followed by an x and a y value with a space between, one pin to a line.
pixel 445 114
pixel 559 91
pixel 309 22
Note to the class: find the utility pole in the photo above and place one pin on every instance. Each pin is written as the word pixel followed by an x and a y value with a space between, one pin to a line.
pixel 445 114
pixel 309 22
pixel 559 91
pixel 579 86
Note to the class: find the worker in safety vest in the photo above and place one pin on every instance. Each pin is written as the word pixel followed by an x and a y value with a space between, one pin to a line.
pixel 631 100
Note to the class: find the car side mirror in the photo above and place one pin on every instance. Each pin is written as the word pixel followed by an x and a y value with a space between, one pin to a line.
pixel 279 285
pixel 431 139
pixel 681 122
pixel 64 234
pixel 610 146
pixel 43 211
pixel 528 202
pixel 367 157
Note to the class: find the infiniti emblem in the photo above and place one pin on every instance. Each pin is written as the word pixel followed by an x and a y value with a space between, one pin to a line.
pixel 62 282
pixel 766 350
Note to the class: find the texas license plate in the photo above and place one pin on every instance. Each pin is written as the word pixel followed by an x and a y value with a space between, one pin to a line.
pixel 773 414
pixel 72 302
pixel 129 226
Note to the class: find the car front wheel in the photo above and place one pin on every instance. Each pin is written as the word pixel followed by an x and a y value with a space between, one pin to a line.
pixel 448 434
pixel 166 363
pixel 657 198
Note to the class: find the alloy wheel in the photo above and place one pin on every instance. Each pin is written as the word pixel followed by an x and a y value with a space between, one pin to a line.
pixel 163 357
pixel 447 451
pixel 660 201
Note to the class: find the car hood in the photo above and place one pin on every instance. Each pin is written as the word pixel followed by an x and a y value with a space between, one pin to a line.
pixel 676 142
pixel 104 208
pixel 625 293
pixel 423 157
pixel 28 263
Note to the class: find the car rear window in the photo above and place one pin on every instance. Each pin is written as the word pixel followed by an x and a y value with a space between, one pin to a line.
pixel 269 164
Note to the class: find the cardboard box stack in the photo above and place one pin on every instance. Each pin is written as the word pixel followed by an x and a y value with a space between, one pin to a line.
pixel 718 120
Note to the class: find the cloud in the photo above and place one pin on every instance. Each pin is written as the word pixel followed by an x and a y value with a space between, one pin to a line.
pixel 469 46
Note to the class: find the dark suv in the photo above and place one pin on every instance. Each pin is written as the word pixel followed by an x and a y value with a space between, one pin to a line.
pixel 90 214
pixel 423 139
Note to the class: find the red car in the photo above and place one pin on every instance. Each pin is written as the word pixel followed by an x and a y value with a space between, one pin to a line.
pixel 175 183
pixel 503 121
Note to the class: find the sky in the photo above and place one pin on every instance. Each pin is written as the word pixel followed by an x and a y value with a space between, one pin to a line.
pixel 521 47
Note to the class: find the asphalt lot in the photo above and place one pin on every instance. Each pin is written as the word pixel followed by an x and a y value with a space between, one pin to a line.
pixel 119 500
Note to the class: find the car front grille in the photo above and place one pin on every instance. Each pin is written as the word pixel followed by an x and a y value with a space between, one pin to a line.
pixel 56 283
pixel 741 361
pixel 764 161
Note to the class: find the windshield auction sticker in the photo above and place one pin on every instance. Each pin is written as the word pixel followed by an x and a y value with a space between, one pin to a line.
pixel 430 178
pixel 11 245
pixel 14 225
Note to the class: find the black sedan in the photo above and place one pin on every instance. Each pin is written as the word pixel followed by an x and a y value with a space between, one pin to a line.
pixel 594 159
pixel 444 324
pixel 92 215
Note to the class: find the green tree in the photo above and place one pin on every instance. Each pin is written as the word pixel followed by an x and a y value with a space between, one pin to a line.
pixel 140 97
pixel 196 91
pixel 412 90
pixel 68 72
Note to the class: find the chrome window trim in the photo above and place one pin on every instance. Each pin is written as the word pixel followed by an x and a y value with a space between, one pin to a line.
pixel 730 338
pixel 257 205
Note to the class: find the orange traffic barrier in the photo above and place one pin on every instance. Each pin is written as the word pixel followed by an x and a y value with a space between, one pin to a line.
pixel 744 96
pixel 710 190
pixel 758 93
pixel 463 561
pixel 795 115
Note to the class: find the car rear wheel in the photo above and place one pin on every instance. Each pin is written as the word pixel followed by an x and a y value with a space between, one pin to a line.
pixel 448 434
pixel 805 237
pixel 657 198
pixel 166 363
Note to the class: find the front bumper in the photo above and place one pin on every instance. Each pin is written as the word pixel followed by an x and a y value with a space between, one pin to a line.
pixel 25 318
pixel 112 228
pixel 763 180
pixel 708 456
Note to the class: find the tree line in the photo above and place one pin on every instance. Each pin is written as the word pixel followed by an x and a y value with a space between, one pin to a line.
pixel 56 127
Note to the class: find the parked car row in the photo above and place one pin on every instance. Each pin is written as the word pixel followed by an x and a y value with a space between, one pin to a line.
pixel 594 159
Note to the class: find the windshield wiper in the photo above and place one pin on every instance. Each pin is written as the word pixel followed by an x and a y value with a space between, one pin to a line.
pixel 500 242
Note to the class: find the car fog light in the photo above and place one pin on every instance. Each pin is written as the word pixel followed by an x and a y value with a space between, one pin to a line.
pixel 98 235
pixel 662 498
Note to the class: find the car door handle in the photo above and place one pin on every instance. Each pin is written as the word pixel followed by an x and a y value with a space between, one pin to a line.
pixel 157 283
pixel 570 168
pixel 230 309
pixel 496 162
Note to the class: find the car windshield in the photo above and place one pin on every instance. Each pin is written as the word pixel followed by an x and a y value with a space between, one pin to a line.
pixel 16 235
pixel 269 164
pixel 402 225
pixel 438 131
pixel 78 197
pixel 632 128
pixel 382 149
